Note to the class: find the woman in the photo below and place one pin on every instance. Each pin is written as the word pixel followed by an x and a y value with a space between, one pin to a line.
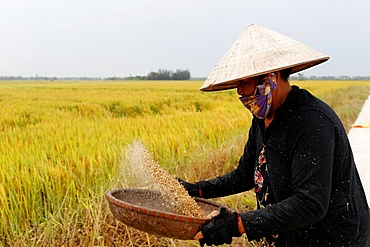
pixel 297 158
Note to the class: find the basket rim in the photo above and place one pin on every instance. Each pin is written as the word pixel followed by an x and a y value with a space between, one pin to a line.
pixel 157 213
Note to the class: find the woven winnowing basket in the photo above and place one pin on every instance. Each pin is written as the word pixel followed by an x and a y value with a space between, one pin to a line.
pixel 148 211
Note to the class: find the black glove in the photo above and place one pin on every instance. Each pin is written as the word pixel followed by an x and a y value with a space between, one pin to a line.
pixel 221 229
pixel 193 189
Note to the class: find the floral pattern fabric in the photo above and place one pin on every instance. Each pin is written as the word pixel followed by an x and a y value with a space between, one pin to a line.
pixel 261 180
pixel 262 189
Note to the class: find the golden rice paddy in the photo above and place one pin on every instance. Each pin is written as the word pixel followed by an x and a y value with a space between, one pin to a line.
pixel 61 144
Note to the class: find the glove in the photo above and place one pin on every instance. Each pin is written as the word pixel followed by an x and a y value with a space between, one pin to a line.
pixel 193 189
pixel 221 229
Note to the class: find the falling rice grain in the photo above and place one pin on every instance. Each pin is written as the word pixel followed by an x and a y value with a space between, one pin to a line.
pixel 148 172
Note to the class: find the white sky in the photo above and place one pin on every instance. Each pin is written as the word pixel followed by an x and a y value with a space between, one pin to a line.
pixel 134 37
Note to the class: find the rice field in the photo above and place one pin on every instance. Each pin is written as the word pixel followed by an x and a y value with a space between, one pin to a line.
pixel 62 142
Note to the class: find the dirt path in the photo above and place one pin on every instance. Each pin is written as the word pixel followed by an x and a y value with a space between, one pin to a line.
pixel 359 137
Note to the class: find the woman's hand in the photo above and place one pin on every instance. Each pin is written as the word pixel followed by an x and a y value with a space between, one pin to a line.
pixel 220 230
pixel 193 189
pixel 199 234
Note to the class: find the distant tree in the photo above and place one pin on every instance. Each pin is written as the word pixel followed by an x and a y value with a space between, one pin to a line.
pixel 152 76
pixel 137 77
pixel 300 76
pixel 164 74
pixel 181 75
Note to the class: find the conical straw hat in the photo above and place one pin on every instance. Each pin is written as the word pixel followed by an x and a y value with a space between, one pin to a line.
pixel 258 51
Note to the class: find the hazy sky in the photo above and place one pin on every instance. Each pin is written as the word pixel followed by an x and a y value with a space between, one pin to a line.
pixel 134 37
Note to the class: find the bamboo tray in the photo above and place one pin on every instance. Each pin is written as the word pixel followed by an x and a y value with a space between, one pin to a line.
pixel 146 210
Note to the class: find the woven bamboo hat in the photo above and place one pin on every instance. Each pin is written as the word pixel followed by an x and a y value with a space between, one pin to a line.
pixel 258 51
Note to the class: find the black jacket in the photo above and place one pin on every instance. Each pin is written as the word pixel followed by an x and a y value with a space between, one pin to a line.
pixel 319 197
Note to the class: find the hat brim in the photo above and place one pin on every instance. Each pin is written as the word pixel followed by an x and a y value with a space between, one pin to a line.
pixel 294 69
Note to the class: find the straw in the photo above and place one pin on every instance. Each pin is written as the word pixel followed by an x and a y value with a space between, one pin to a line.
pixel 258 51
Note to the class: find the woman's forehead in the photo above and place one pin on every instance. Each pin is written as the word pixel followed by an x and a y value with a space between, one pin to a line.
pixel 251 80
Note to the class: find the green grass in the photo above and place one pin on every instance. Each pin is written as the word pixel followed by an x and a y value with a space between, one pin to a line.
pixel 62 144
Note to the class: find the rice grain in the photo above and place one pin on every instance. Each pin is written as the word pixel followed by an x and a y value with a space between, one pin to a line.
pixel 149 173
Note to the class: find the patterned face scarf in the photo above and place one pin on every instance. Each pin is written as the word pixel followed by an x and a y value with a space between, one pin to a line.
pixel 260 102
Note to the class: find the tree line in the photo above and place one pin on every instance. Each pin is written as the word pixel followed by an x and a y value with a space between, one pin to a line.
pixel 179 74
pixel 163 74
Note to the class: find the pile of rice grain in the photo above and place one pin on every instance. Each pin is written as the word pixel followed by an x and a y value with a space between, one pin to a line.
pixel 146 169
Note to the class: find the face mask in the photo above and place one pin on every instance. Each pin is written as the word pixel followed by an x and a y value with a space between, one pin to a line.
pixel 260 102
